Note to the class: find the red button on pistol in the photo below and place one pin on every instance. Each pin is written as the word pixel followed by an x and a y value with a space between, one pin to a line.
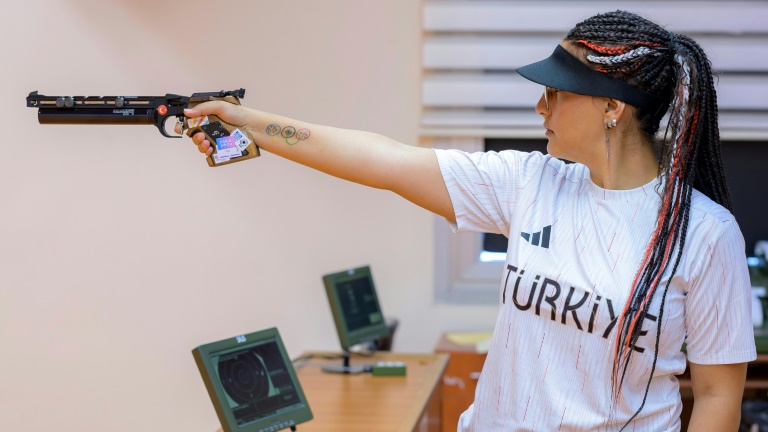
pixel 162 110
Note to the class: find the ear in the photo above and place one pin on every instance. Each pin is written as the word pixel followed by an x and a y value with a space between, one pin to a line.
pixel 613 109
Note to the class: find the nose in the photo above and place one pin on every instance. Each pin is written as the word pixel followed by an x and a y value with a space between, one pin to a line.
pixel 541 107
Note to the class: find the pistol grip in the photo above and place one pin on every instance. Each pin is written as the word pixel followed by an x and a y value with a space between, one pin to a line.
pixel 247 143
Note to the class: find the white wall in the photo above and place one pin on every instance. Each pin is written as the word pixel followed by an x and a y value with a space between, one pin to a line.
pixel 120 250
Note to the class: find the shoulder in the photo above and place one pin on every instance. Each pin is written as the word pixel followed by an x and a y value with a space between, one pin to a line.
pixel 525 163
pixel 524 166
pixel 710 222
pixel 548 164
pixel 713 236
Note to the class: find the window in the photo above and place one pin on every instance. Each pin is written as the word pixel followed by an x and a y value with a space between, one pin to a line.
pixel 471 95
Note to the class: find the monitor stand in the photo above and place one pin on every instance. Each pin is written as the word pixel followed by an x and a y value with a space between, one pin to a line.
pixel 344 368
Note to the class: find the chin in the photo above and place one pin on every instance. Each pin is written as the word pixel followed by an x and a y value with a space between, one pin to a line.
pixel 552 149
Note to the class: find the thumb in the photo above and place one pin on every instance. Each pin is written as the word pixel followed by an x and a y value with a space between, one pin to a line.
pixel 205 108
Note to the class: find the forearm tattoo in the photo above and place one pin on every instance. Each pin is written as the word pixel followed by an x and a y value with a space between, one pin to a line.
pixel 291 135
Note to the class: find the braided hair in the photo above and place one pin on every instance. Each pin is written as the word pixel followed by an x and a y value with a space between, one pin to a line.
pixel 674 67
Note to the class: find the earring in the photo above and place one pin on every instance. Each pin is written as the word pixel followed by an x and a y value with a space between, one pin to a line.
pixel 609 124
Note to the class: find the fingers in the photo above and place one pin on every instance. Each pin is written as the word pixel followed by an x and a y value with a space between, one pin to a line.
pixel 198 138
pixel 203 145
pixel 205 108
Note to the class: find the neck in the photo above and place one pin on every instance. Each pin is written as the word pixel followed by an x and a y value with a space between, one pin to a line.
pixel 629 166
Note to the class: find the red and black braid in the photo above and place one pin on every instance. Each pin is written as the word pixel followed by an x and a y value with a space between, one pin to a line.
pixel 675 68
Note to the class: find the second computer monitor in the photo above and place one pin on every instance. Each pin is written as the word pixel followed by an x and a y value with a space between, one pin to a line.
pixel 355 306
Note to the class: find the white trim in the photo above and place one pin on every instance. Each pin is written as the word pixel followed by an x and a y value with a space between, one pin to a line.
pixel 559 16
pixel 527 117
pixel 742 92
pixel 481 52
pixel 725 135
pixel 525 123
pixel 485 52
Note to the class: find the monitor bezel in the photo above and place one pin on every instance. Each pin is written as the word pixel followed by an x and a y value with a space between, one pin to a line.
pixel 300 414
pixel 367 334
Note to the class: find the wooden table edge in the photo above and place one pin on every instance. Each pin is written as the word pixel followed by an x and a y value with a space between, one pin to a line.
pixel 413 416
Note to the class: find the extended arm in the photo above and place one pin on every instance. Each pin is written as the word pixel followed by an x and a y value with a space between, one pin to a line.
pixel 717 394
pixel 362 157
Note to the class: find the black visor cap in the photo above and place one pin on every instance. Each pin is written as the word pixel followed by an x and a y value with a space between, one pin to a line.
pixel 563 71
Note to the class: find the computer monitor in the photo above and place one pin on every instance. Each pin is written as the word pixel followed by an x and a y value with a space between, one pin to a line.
pixel 355 307
pixel 356 312
pixel 252 383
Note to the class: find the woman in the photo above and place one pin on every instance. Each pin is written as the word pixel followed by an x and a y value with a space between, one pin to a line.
pixel 613 262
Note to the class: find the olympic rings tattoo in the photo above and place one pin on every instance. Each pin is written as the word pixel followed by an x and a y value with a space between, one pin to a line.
pixel 291 135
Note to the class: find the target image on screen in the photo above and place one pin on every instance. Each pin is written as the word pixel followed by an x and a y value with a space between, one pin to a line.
pixel 355 306
pixel 256 382
pixel 252 383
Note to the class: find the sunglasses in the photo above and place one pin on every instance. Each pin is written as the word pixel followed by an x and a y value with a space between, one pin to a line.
pixel 550 96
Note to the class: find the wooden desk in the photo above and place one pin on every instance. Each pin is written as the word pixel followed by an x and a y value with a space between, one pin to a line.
pixel 363 402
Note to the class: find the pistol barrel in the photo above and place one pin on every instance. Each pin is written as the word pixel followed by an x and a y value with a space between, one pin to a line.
pixel 113 116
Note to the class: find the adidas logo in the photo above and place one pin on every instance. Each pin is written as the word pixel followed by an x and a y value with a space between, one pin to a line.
pixel 540 238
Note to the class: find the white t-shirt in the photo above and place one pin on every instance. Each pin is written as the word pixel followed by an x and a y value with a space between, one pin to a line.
pixel 574 250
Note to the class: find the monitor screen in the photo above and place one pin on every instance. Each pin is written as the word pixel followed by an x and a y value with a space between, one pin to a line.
pixel 355 306
pixel 255 382
pixel 252 382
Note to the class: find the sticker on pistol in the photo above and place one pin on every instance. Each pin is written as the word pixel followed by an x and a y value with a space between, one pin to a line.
pixel 241 139
pixel 197 121
pixel 215 130
pixel 227 147
pixel 218 159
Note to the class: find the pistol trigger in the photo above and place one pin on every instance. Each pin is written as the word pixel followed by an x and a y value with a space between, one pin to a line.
pixel 180 120
pixel 161 126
